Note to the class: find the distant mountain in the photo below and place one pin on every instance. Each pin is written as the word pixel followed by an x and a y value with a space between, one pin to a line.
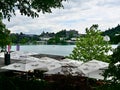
pixel 114 34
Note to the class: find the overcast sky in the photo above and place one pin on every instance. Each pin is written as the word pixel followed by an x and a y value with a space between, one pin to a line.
pixel 77 14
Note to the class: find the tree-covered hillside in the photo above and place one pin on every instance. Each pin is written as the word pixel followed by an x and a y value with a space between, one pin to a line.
pixel 114 34
pixel 60 37
pixel 21 38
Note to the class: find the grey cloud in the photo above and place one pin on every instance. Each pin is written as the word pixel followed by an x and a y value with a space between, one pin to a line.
pixel 109 3
pixel 38 31
pixel 75 3
pixel 77 14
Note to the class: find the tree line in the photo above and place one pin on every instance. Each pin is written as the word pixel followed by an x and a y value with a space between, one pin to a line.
pixel 114 34
pixel 62 36
pixel 53 38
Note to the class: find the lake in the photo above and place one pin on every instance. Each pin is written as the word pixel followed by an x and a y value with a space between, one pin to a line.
pixel 63 50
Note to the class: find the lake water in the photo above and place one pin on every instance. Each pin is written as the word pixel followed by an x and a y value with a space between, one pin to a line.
pixel 63 50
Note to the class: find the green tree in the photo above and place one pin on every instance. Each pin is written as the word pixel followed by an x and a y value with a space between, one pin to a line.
pixel 113 70
pixel 91 46
pixel 54 40
pixel 4 36
pixel 61 33
pixel 27 7
pixel 14 38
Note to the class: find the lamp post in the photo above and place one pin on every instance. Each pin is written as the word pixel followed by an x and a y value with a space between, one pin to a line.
pixel 106 38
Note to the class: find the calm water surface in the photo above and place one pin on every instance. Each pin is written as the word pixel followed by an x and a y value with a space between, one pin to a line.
pixel 63 50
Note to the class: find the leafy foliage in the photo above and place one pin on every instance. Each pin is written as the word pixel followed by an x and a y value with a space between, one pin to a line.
pixel 28 7
pixel 4 36
pixel 91 46
pixel 23 38
pixel 113 70
pixel 56 40
pixel 61 33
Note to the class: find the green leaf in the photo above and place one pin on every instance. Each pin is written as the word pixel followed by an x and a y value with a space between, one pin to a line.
pixel 92 46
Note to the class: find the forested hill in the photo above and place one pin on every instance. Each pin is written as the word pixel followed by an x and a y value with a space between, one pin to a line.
pixel 114 34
